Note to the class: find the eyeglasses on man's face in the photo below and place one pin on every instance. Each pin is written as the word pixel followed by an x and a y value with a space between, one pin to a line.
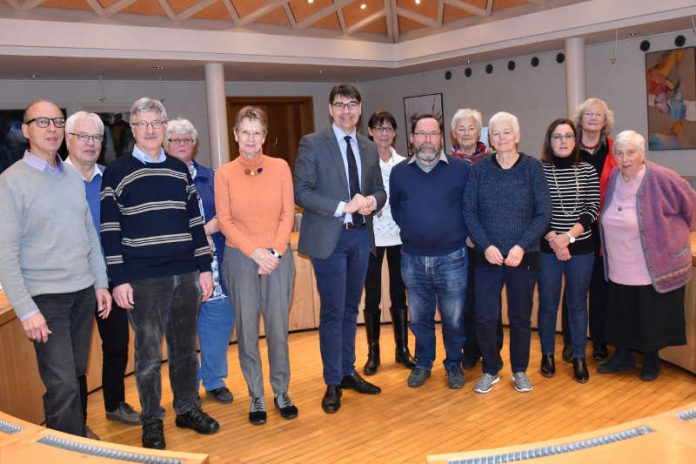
pixel 340 106
pixel 43 122
pixel 424 135
pixel 83 138
pixel 156 124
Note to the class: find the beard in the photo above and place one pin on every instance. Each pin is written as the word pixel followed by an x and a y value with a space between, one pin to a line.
pixel 427 152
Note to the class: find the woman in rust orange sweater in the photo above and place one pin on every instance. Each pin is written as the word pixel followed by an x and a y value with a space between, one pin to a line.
pixel 255 209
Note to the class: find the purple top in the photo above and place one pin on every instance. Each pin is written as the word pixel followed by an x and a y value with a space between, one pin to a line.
pixel 42 165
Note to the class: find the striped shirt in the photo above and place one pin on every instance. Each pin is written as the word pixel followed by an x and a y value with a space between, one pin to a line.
pixel 574 190
pixel 151 225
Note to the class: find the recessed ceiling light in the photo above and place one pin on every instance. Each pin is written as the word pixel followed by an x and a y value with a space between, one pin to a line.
pixel 363 6
pixel 631 34
pixel 310 1
pixel 418 2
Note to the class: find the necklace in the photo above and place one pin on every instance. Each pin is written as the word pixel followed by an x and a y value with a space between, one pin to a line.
pixel 564 212
pixel 253 172
pixel 590 148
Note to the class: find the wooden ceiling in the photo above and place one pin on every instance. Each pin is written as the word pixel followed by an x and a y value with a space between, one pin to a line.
pixel 381 20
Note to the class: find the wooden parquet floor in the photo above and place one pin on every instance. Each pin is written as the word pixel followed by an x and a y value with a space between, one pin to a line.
pixel 404 425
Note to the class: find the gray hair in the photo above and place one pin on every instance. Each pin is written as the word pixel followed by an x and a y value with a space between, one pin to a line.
pixel 181 126
pixel 464 113
pixel 608 114
pixel 501 117
pixel 146 105
pixel 631 138
pixel 74 118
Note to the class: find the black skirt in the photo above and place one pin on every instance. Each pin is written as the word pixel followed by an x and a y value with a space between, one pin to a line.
pixel 639 318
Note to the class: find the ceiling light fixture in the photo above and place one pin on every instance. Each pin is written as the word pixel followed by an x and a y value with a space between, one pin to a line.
pixel 418 2
pixel 363 6
pixel 310 1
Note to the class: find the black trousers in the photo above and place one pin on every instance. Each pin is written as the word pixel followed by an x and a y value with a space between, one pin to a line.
pixel 373 281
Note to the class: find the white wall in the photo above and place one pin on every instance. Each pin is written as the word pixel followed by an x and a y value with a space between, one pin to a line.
pixel 537 95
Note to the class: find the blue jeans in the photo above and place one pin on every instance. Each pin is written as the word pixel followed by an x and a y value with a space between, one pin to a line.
pixel 578 271
pixel 520 282
pixel 215 323
pixel 436 281
pixel 165 306
pixel 340 280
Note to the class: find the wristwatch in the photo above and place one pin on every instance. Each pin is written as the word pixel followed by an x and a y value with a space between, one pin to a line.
pixel 275 253
pixel 571 239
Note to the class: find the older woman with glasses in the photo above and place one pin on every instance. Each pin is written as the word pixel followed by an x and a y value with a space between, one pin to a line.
pixel 567 248
pixel 256 210
pixel 382 131
pixel 648 214
pixel 215 320
pixel 507 210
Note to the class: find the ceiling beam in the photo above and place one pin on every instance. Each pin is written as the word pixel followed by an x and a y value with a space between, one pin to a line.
pixel 116 7
pixel 469 8
pixel 341 20
pixel 231 10
pixel 290 15
pixel 313 18
pixel 168 9
pixel 260 12
pixel 194 9
pixel 440 11
pixel 365 21
pixel 14 4
pixel 391 20
pixel 489 7
pixel 416 17
pixel 27 5
pixel 96 6
pixel 538 2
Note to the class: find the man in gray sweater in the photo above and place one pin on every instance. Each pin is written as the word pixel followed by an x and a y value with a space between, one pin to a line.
pixel 51 265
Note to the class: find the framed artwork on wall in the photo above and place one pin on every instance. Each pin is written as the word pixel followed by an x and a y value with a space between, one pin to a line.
pixel 671 89
pixel 422 104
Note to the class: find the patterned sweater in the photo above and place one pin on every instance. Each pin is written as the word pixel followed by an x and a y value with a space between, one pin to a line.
pixel 151 225
pixel 574 190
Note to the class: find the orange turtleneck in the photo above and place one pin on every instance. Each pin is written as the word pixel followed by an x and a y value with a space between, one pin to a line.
pixel 255 211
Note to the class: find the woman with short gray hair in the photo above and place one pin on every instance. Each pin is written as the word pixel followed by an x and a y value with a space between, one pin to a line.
pixel 647 217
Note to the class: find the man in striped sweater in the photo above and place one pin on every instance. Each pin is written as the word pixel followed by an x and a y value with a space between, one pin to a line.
pixel 158 261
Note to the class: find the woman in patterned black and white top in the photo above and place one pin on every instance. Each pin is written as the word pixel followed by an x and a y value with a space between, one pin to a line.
pixel 567 248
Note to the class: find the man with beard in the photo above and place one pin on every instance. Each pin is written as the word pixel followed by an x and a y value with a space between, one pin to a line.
pixel 427 202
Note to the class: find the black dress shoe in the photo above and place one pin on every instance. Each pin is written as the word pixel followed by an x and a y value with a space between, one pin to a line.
pixel 568 353
pixel 599 351
pixel 582 375
pixel 360 385
pixel 196 419
pixel 548 365
pixel 621 360
pixel 153 434
pixel 222 395
pixel 332 399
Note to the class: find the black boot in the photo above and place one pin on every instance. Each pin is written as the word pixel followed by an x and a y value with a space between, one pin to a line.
pixel 548 365
pixel 580 370
pixel 619 361
pixel 400 321
pixel 651 366
pixel 372 330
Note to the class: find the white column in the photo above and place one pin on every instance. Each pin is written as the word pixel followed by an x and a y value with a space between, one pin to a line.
pixel 575 73
pixel 217 114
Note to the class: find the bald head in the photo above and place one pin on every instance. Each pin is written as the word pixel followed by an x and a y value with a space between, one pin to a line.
pixel 44 141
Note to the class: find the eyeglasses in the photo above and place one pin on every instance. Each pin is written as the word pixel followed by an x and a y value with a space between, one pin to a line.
pixel 426 134
pixel 83 138
pixel 181 141
pixel 559 137
pixel 251 135
pixel 340 106
pixel 590 114
pixel 384 129
pixel 43 122
pixel 142 125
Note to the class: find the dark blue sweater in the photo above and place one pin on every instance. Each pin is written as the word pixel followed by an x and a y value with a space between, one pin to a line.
pixel 151 225
pixel 429 207
pixel 507 207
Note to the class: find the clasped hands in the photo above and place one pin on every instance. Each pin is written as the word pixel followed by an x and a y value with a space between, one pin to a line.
pixel 265 259
pixel 361 204
pixel 559 244
pixel 513 258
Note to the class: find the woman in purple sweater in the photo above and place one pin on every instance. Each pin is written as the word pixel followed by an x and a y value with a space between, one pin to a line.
pixel 648 213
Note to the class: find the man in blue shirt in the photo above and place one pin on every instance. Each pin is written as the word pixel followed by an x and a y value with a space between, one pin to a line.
pixel 427 202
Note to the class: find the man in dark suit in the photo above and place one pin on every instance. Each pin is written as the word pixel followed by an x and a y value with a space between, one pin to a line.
pixel 339 185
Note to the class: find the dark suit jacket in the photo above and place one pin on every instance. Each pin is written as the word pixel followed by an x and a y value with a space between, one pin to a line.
pixel 321 183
